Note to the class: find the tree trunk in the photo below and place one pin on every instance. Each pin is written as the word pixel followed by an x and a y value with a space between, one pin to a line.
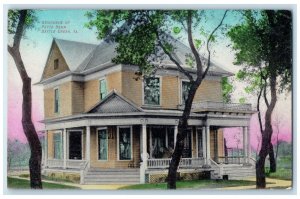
pixel 28 127
pixel 272 159
pixel 182 133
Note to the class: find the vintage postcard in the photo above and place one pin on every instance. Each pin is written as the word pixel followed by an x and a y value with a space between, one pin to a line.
pixel 149 99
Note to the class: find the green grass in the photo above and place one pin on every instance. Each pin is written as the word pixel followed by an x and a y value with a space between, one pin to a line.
pixel 195 184
pixel 15 183
pixel 281 174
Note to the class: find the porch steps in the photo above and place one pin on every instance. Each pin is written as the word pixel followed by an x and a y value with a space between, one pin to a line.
pixel 238 172
pixel 112 176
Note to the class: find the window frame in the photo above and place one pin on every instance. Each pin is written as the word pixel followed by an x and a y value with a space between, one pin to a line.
pixel 56 64
pixel 118 143
pixel 58 100
pixel 181 90
pixel 99 85
pixel 160 91
pixel 97 142
pixel 60 146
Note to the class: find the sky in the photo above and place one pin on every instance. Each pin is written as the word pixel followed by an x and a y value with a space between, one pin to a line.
pixel 35 49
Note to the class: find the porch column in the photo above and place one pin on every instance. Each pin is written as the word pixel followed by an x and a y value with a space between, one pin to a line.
pixel 143 166
pixel 207 144
pixel 87 145
pixel 245 144
pixel 65 147
pixel 175 134
pixel 204 144
pixel 46 149
pixel 249 144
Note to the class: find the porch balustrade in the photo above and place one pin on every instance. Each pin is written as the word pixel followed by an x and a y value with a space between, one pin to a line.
pixel 232 160
pixel 207 105
pixel 73 164
pixel 184 163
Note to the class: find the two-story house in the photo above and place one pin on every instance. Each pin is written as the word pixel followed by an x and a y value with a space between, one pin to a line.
pixel 105 125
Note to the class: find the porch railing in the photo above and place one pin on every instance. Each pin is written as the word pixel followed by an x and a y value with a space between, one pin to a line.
pixel 207 105
pixel 184 163
pixel 73 164
pixel 232 160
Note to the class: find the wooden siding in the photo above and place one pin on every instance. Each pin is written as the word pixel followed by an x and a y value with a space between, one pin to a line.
pixel 77 97
pixel 209 90
pixel 91 94
pixel 65 101
pixel 131 88
pixel 113 161
pixel 170 92
pixel 50 145
pixel 54 54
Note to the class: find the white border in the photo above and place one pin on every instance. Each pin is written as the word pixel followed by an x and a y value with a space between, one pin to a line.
pixel 131 144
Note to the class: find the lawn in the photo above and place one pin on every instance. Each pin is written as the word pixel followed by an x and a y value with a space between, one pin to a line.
pixel 281 174
pixel 15 183
pixel 195 184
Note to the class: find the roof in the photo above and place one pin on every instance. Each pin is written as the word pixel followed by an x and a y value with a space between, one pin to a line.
pixel 74 52
pixel 81 57
pixel 115 103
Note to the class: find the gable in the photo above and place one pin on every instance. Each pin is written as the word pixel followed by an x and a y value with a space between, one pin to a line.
pixel 54 54
pixel 114 103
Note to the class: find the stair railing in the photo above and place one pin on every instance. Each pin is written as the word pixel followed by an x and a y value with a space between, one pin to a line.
pixel 83 170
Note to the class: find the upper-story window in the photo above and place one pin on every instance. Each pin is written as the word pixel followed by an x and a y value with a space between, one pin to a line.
pixel 152 91
pixel 185 87
pixel 56 64
pixel 56 100
pixel 103 88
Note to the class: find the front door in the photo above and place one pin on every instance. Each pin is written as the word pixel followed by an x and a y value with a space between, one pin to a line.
pixel 75 145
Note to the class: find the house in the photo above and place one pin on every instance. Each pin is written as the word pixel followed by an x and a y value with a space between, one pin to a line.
pixel 105 125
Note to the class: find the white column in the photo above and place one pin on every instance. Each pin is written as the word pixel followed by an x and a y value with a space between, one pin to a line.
pixel 249 144
pixel 65 147
pixel 143 166
pixel 88 145
pixel 245 145
pixel 207 144
pixel 46 149
pixel 204 143
pixel 175 134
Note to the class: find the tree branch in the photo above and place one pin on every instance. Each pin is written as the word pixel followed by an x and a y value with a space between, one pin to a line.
pixel 20 28
pixel 265 94
pixel 258 109
pixel 180 68
pixel 192 45
pixel 208 41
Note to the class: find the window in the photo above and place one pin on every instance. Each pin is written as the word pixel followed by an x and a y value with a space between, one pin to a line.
pixel 103 89
pixel 200 143
pixel 152 91
pixel 57 145
pixel 102 144
pixel 185 87
pixel 170 134
pixel 55 64
pixel 56 100
pixel 124 143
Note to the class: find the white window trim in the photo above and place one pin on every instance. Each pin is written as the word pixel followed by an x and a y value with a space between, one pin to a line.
pixel 99 86
pixel 69 133
pixel 118 142
pixel 97 134
pixel 160 92
pixel 59 105
pixel 61 145
pixel 181 91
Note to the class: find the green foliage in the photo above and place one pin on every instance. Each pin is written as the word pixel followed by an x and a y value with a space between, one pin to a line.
pixel 261 44
pixel 13 19
pixel 176 30
pixel 242 100
pixel 227 89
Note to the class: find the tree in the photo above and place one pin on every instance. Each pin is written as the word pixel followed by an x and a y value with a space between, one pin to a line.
pixel 144 39
pixel 19 20
pixel 267 57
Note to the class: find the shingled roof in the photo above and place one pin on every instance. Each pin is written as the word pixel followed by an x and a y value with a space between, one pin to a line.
pixel 81 57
